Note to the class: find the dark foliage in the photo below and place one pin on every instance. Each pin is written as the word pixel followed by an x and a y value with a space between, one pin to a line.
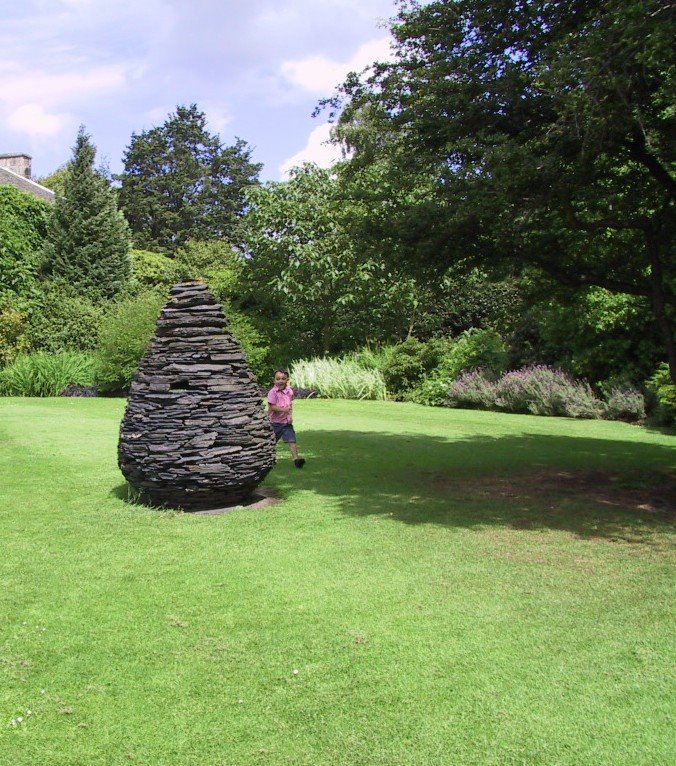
pixel 180 183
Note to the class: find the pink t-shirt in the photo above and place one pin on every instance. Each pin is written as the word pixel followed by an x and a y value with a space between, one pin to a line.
pixel 282 398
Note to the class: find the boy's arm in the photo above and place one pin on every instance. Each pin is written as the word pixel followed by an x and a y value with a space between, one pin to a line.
pixel 273 406
pixel 276 408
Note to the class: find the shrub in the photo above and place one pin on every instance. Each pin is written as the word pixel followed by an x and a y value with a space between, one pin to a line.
pixel 624 403
pixel 253 343
pixel 124 335
pixel 338 379
pixel 153 269
pixel 597 335
pixel 403 369
pixel 473 349
pixel 127 329
pixel 13 327
pixel 213 261
pixel 472 390
pixel 541 390
pixel 64 320
pixel 44 374
pixel 405 365
pixel 432 392
pixel 23 225
pixel 662 391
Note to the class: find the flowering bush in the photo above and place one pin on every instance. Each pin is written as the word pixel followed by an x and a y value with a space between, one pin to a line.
pixel 624 403
pixel 542 390
pixel 473 390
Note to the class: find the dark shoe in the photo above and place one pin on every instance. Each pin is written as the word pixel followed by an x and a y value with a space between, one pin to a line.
pixel 299 462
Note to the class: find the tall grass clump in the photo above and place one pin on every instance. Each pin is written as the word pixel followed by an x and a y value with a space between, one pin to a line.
pixel 338 379
pixel 44 374
pixel 370 357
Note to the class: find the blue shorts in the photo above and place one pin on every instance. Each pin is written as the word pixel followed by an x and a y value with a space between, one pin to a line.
pixel 284 431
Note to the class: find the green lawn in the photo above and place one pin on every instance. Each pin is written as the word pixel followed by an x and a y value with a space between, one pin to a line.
pixel 437 587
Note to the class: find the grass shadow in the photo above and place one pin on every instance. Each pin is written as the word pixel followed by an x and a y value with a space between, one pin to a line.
pixel 121 492
pixel 589 487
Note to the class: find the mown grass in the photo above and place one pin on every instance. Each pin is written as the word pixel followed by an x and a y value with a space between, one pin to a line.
pixel 441 598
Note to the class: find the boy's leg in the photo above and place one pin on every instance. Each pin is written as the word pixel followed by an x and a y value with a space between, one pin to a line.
pixel 290 438
pixel 299 462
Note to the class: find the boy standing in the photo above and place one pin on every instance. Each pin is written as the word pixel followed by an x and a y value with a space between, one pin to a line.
pixel 280 407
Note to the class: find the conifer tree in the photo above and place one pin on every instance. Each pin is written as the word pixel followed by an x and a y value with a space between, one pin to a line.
pixel 88 237
pixel 180 183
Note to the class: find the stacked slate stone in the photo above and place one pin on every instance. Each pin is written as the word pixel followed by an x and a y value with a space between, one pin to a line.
pixel 195 434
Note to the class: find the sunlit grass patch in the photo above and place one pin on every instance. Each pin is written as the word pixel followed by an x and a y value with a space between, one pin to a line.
pixel 436 587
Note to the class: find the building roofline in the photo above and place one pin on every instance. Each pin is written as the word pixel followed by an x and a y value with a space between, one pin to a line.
pixel 25 180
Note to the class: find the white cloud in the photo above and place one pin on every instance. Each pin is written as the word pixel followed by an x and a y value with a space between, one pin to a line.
pixel 316 74
pixel 33 120
pixel 29 86
pixel 256 69
pixel 317 150
pixel 321 75
pixel 218 115
pixel 40 104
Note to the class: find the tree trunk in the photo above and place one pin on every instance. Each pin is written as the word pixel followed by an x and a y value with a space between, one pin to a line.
pixel 658 302
pixel 327 333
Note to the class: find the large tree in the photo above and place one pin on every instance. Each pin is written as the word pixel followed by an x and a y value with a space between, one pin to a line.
pixel 306 272
pixel 530 133
pixel 181 183
pixel 87 238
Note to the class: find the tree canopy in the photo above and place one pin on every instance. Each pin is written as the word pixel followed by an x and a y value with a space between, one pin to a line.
pixel 525 133
pixel 180 183
pixel 305 266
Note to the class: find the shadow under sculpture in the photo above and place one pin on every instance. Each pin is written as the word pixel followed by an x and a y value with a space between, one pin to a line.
pixel 195 434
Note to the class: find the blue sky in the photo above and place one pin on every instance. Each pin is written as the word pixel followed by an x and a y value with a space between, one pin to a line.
pixel 256 69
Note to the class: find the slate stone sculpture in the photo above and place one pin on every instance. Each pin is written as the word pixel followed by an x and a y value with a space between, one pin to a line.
pixel 195 434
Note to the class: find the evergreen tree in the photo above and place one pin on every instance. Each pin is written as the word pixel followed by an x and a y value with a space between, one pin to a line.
pixel 88 237
pixel 180 183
